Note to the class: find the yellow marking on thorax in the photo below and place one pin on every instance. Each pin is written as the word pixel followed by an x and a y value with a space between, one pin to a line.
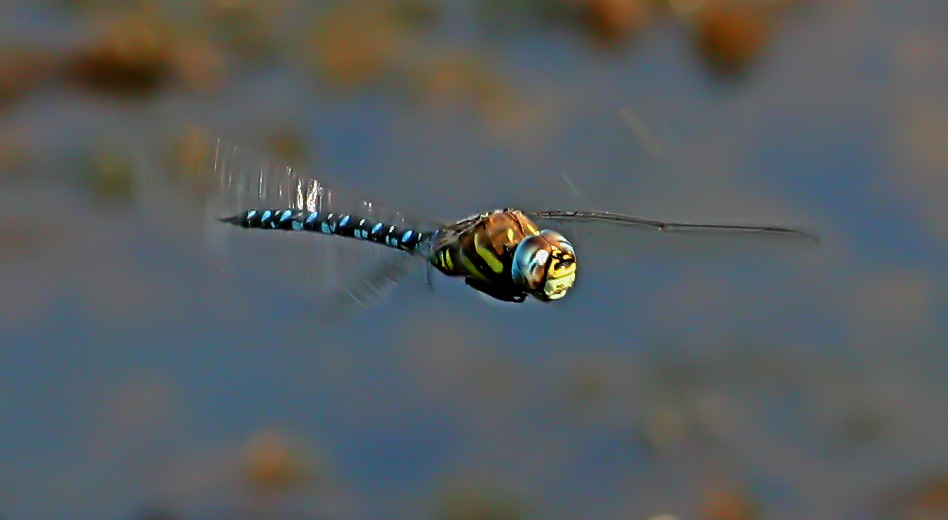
pixel 471 268
pixel 492 261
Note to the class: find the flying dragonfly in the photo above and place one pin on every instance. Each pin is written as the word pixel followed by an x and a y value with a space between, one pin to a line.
pixel 502 253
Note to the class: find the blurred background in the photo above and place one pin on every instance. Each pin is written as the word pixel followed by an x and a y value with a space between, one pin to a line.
pixel 683 378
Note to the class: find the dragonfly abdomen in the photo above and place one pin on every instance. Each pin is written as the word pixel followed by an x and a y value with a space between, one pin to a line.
pixel 340 224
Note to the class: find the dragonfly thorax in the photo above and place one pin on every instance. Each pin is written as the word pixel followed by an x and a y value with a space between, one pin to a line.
pixel 503 254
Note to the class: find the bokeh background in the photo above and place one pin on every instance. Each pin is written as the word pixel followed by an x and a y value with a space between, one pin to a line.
pixel 683 378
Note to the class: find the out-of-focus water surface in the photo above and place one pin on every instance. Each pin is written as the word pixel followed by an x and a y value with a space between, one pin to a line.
pixel 681 379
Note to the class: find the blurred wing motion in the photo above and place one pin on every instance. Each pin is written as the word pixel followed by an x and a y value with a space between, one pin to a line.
pixel 232 179
pixel 674 227
pixel 223 180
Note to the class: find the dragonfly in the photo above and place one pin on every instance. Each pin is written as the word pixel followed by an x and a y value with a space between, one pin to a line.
pixel 502 253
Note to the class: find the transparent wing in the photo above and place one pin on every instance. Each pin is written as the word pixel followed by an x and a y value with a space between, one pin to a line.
pixel 220 179
pixel 671 227
pixel 231 179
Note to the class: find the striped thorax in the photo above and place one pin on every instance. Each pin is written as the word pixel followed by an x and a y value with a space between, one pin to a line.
pixel 503 254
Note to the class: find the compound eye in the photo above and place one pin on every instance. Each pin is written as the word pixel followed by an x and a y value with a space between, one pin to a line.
pixel 538 263
pixel 530 261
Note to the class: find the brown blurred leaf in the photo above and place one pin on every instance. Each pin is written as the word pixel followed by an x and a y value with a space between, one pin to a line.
pixel 21 71
pixel 731 37
pixel 356 44
pixel 613 21
pixel 729 502
pixel 276 463
pixel 131 55
pixel 471 504
pixel 927 500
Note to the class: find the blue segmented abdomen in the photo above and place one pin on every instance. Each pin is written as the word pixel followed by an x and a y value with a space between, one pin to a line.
pixel 341 224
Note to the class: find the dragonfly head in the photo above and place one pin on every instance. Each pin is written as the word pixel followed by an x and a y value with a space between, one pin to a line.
pixel 544 265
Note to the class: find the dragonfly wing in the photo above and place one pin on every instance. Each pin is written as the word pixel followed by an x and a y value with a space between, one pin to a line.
pixel 365 290
pixel 580 216
pixel 215 180
pixel 231 178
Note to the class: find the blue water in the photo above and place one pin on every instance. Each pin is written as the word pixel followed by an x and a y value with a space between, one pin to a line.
pixel 805 381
